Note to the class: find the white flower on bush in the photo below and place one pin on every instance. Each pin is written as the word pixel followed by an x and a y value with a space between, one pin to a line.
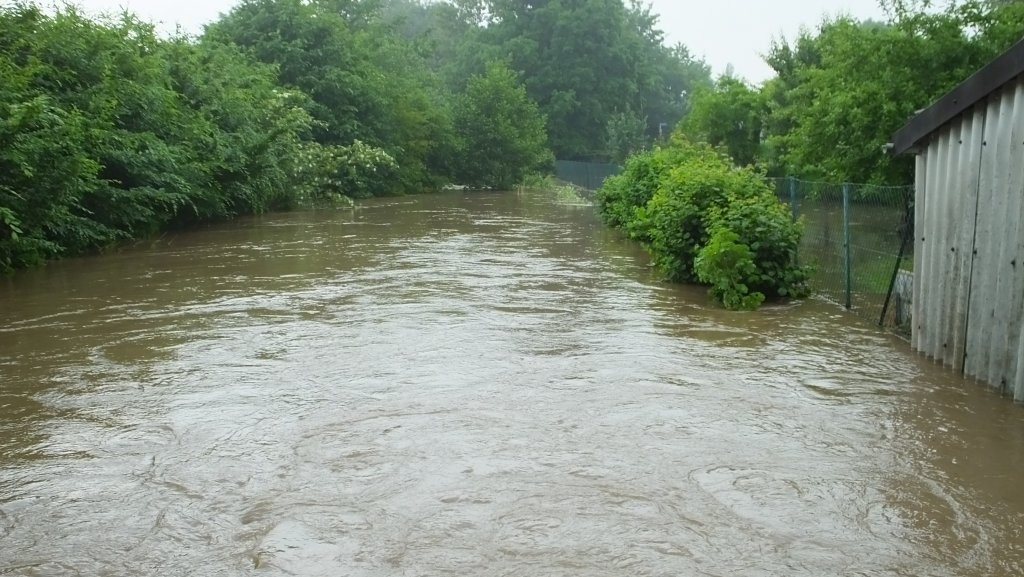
pixel 356 169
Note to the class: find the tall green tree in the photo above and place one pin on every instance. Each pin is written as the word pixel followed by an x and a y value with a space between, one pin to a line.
pixel 729 115
pixel 501 129
pixel 788 61
pixel 583 61
pixel 314 50
pixel 626 133
pixel 364 81
pixel 841 93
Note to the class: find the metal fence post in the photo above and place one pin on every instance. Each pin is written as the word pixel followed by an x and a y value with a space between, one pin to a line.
pixel 792 196
pixel 847 261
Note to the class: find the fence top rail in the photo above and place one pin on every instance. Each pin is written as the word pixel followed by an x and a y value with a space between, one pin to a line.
pixel 822 183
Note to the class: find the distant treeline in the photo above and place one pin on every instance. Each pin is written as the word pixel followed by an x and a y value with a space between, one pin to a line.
pixel 109 131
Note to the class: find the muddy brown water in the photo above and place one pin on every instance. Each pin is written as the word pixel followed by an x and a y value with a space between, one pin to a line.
pixel 473 384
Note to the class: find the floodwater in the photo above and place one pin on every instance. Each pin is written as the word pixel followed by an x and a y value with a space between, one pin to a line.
pixel 474 384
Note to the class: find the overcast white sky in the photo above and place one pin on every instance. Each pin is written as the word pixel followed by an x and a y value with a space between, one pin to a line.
pixel 724 32
pixel 737 32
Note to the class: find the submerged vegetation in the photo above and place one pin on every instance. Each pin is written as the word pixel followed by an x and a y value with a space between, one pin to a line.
pixel 705 220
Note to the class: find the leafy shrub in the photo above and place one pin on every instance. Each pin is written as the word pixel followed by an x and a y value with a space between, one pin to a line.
pixel 501 130
pixel 334 173
pixel 362 169
pixel 764 225
pixel 726 264
pixel 679 216
pixel 44 169
pixel 108 132
pixel 704 220
pixel 622 194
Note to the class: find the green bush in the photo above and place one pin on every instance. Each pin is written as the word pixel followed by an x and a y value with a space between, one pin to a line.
pixel 501 130
pixel 764 225
pixel 621 195
pixel 679 215
pixel 706 221
pixel 44 170
pixel 108 132
pixel 332 174
pixel 726 264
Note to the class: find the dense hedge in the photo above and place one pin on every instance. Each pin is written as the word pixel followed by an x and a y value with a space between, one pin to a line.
pixel 706 221
pixel 109 132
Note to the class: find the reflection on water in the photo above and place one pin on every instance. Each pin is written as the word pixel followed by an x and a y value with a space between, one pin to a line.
pixel 481 384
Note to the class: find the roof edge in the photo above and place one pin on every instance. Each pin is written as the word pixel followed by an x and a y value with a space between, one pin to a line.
pixel 995 75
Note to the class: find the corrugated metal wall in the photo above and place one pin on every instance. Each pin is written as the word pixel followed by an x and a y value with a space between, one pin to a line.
pixel 969 263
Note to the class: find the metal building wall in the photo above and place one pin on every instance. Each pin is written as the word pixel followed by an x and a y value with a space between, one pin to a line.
pixel 969 267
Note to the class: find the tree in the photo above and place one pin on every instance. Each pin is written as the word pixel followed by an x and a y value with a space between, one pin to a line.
pixel 729 115
pixel 313 50
pixel 501 129
pixel 364 81
pixel 841 93
pixel 583 61
pixel 626 134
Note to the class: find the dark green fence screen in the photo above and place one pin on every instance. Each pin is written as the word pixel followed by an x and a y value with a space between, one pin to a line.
pixel 588 175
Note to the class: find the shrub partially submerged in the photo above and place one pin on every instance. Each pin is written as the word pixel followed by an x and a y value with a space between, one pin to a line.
pixel 622 194
pixel 706 221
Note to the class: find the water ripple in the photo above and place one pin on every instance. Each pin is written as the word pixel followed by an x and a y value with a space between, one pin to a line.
pixel 483 384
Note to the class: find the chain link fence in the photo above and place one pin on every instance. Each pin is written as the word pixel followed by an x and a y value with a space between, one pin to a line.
pixel 858 241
